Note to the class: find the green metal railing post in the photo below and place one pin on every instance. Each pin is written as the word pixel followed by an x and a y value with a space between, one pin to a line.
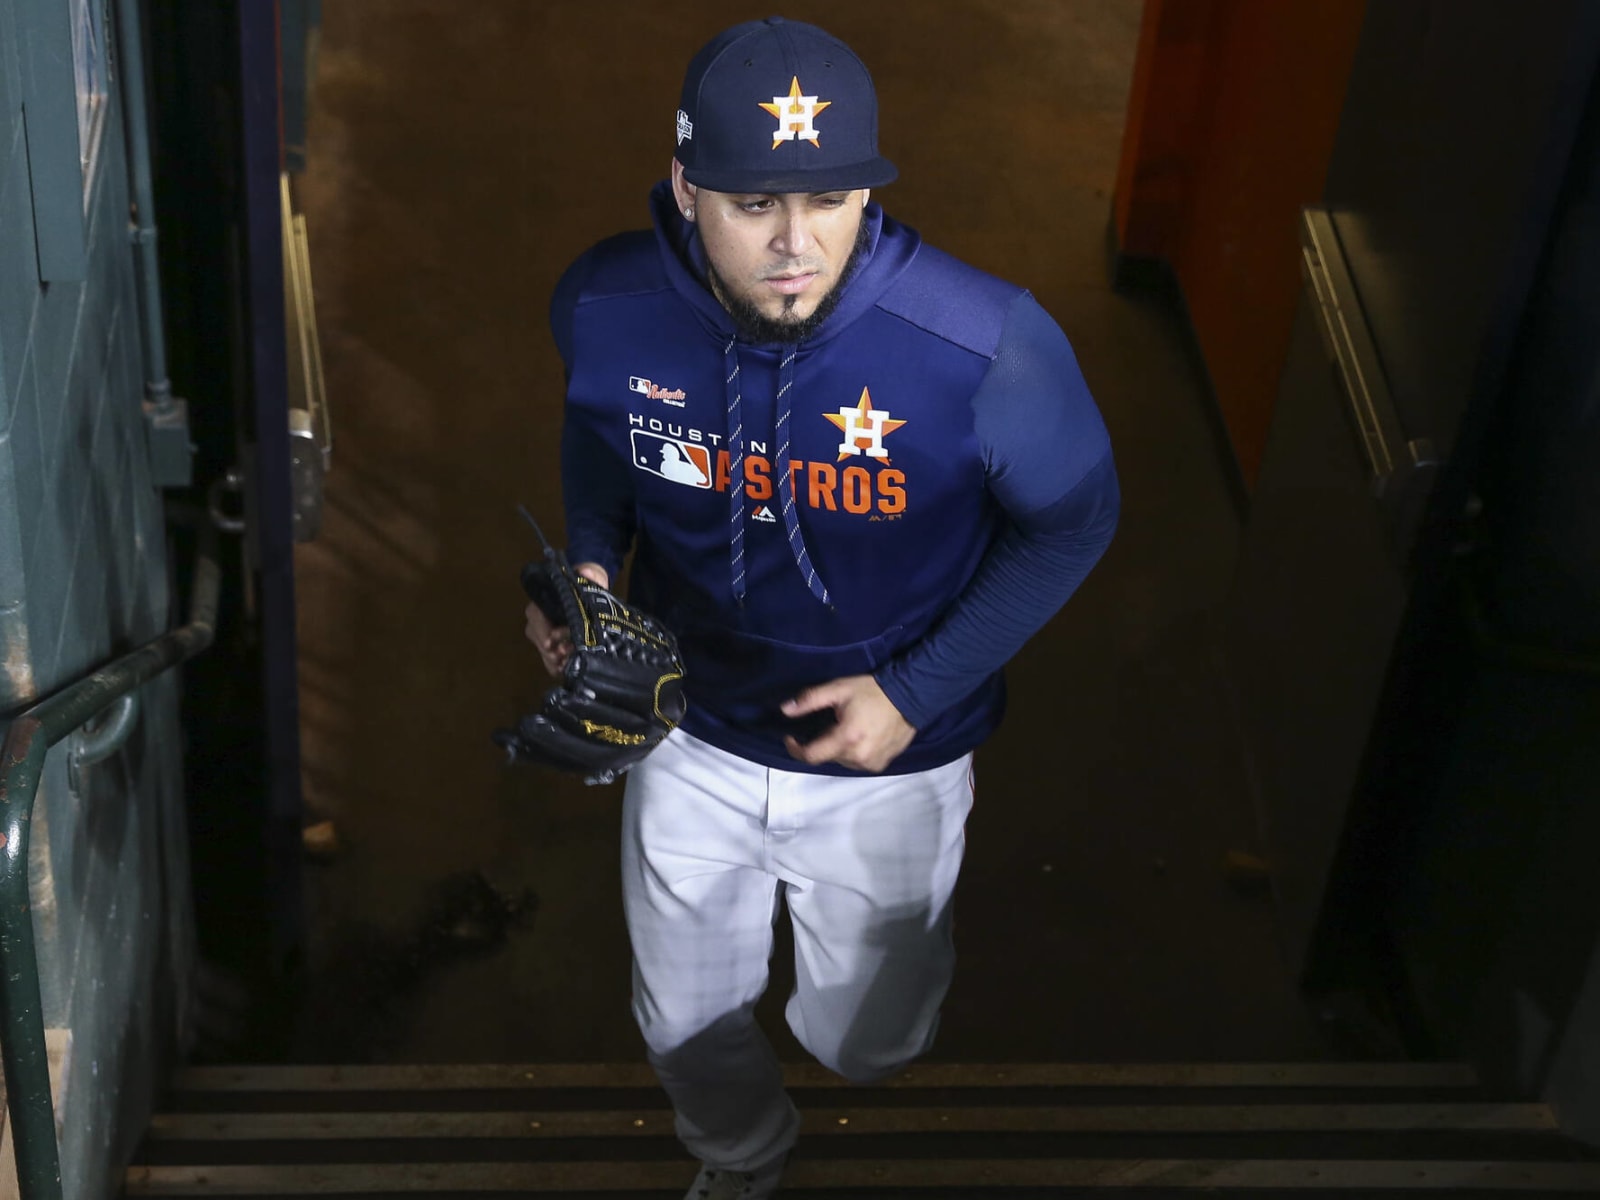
pixel 21 1008
pixel 22 755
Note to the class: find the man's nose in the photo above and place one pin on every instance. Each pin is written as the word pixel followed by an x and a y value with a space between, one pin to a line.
pixel 794 238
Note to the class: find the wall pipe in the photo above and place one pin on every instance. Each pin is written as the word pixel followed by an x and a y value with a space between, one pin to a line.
pixel 28 739
pixel 130 38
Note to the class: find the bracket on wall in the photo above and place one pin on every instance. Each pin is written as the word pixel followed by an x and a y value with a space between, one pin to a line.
pixel 166 427
pixel 1400 467
pixel 101 739
pixel 310 424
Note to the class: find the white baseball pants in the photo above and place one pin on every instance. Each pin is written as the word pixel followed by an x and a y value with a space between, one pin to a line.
pixel 867 867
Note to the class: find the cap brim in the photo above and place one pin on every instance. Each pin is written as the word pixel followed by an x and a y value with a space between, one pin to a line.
pixel 874 172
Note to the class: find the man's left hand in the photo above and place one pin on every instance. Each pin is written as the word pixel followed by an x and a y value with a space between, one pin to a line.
pixel 870 732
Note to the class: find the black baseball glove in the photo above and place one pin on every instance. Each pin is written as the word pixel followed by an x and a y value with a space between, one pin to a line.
pixel 621 691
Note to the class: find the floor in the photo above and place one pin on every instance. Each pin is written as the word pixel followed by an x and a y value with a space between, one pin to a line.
pixel 460 156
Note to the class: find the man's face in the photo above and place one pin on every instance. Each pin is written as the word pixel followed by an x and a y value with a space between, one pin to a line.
pixel 776 255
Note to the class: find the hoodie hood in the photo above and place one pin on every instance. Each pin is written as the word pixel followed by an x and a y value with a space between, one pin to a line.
pixel 889 250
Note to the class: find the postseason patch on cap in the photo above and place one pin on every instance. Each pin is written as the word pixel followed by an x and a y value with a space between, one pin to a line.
pixel 685 127
pixel 796 116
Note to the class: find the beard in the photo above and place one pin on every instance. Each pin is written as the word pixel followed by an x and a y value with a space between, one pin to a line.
pixel 756 327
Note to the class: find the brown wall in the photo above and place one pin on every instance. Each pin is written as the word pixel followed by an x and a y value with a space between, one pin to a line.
pixel 1231 122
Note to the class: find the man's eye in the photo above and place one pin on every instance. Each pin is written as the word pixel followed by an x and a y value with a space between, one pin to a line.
pixel 756 206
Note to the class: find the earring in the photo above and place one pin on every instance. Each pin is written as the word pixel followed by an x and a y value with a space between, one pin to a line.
pixel 689 212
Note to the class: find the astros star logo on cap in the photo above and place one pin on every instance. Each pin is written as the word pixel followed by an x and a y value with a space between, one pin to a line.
pixel 795 114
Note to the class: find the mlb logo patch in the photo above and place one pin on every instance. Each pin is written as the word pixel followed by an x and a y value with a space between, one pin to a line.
pixel 679 462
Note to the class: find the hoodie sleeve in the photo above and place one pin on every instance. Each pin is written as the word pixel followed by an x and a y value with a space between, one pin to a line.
pixel 596 489
pixel 1049 468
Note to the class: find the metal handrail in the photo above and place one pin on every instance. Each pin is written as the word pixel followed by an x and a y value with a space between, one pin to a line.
pixel 22 755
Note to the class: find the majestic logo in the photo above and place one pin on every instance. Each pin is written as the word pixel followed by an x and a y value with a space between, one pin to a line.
pixel 681 462
pixel 795 115
pixel 763 514
pixel 685 127
pixel 676 397
pixel 864 429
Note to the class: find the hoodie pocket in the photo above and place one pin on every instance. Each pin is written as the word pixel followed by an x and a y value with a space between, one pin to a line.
pixel 743 678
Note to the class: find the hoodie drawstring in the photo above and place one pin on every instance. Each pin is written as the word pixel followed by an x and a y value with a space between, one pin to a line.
pixel 785 474
pixel 791 519
pixel 735 471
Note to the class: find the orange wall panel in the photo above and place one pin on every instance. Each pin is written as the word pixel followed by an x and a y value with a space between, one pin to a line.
pixel 1231 125
pixel 1166 126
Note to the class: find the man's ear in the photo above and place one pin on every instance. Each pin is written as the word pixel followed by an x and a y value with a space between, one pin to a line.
pixel 682 191
pixel 866 194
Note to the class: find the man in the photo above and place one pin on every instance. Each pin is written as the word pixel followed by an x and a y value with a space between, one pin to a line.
pixel 857 475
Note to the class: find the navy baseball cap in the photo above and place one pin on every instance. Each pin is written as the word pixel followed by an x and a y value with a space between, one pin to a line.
pixel 779 106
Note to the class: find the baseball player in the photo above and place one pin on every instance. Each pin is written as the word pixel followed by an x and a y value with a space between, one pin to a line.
pixel 855 475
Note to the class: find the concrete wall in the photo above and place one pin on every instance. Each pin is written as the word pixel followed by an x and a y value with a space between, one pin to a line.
pixel 84 577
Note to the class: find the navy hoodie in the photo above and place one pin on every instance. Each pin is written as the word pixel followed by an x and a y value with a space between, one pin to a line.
pixel 952 480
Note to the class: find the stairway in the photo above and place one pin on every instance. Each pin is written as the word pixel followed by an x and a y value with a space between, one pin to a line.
pixel 936 1132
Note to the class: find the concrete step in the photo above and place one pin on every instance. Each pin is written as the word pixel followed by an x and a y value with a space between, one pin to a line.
pixel 927 1179
pixel 938 1130
pixel 1408 1076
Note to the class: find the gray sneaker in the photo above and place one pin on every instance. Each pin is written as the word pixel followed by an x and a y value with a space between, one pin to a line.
pixel 713 1183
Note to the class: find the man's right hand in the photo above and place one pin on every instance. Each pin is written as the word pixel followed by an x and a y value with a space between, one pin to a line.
pixel 554 642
